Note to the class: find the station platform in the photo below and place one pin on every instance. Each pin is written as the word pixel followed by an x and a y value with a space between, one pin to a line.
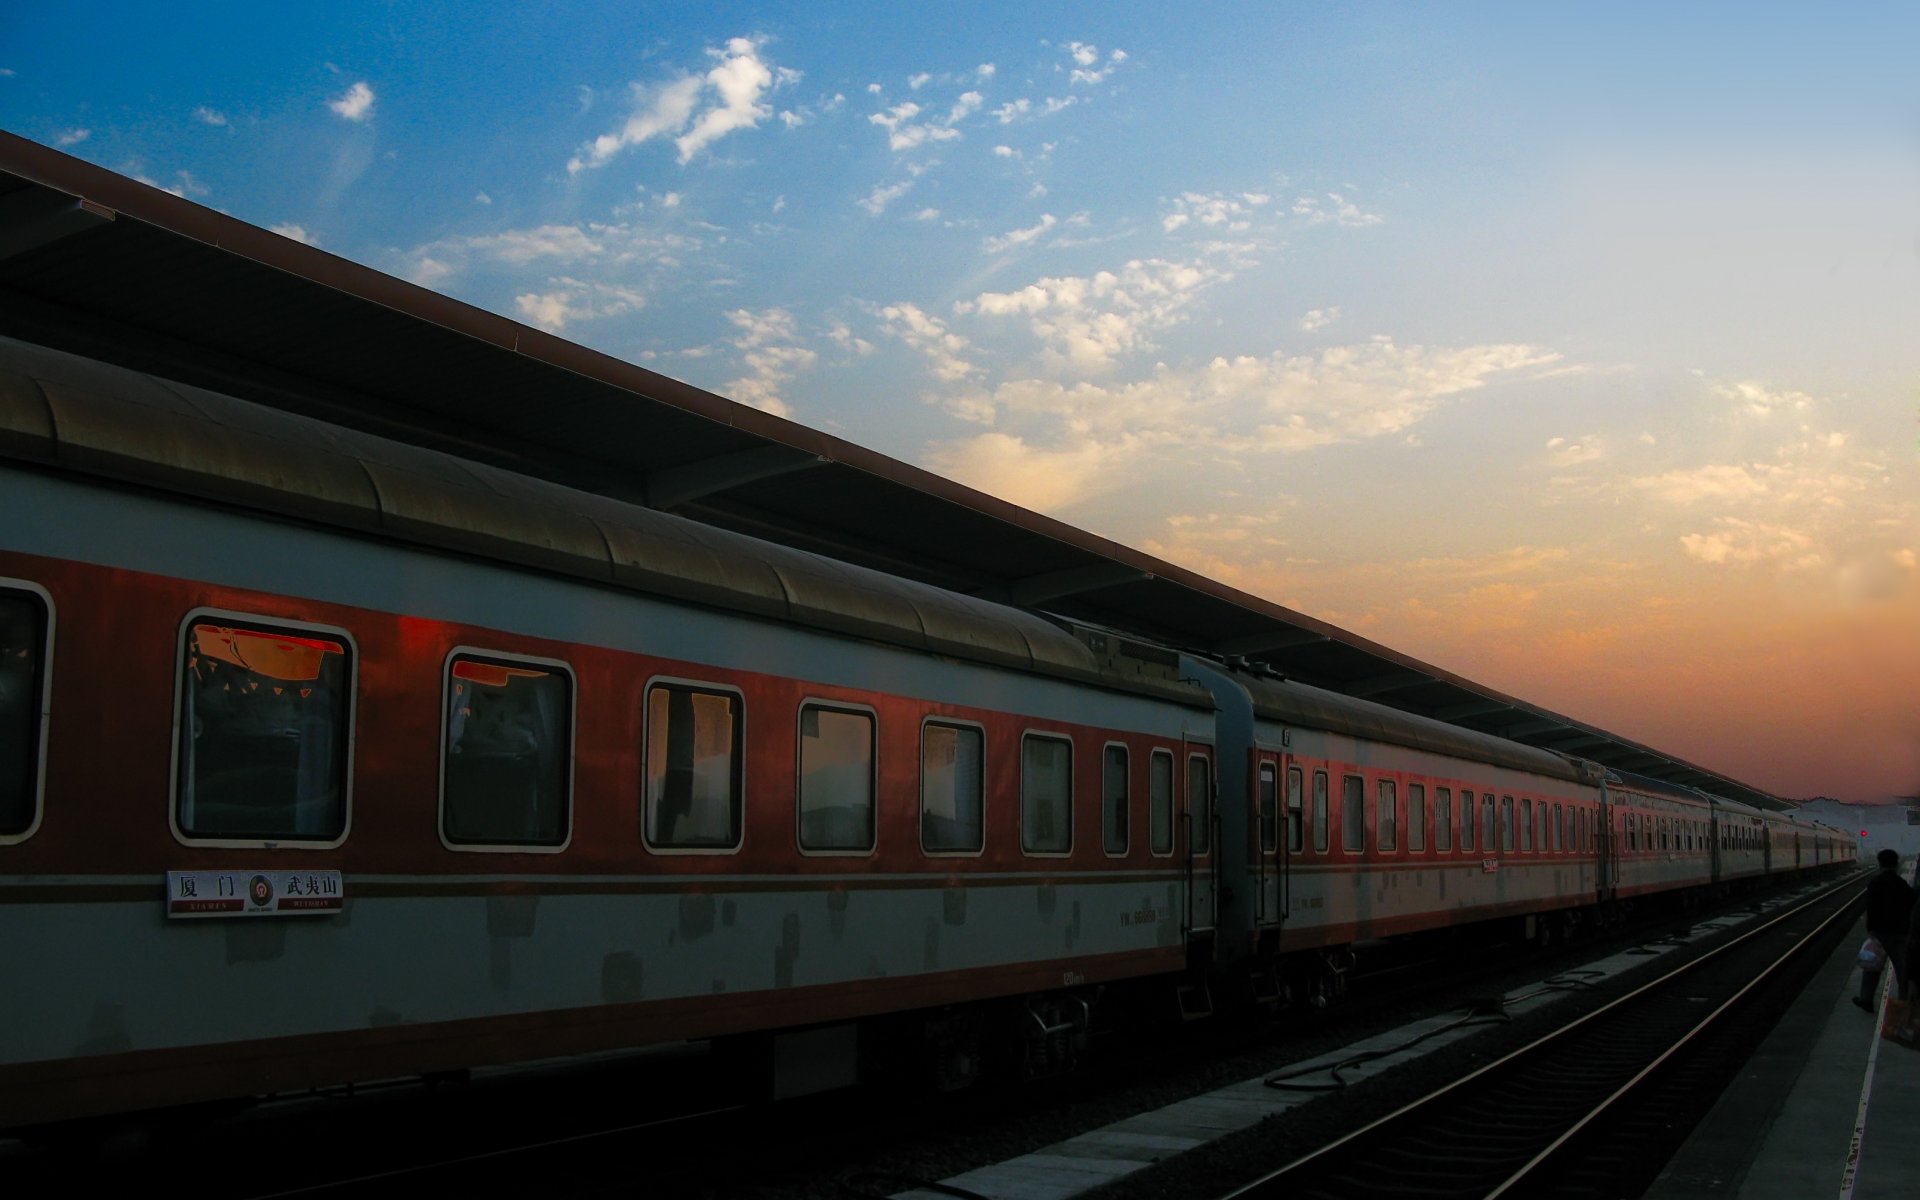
pixel 1825 1108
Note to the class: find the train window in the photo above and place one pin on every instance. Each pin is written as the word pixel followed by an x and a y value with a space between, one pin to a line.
pixel 1296 836
pixel 264 748
pixel 1490 823
pixel 1467 819
pixel 1416 816
pixel 26 626
pixel 1353 815
pixel 1046 795
pixel 1160 797
pixel 1559 827
pixel 506 752
pixel 1506 821
pixel 693 768
pixel 1320 824
pixel 1269 808
pixel 952 788
pixel 1443 818
pixel 1387 814
pixel 1114 798
pixel 1526 824
pixel 1200 801
pixel 836 779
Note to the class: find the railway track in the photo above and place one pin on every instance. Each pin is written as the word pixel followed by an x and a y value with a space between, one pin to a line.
pixel 1595 1107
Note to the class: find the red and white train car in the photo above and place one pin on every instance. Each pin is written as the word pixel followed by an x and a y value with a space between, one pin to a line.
pixel 330 758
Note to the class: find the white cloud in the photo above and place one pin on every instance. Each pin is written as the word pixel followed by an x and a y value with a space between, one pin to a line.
pixel 1717 482
pixel 930 336
pixel 71 137
pixel 1317 319
pixel 209 116
pixel 1226 409
pixel 576 300
pixel 1231 214
pixel 1019 237
pixel 918 81
pixel 879 198
pixel 1085 322
pixel 773 351
pixel 1757 400
pixel 1571 452
pixel 297 233
pixel 1738 542
pixel 1007 468
pixel 905 133
pixel 927 214
pixel 356 104
pixel 1085 58
pixel 1012 111
pixel 1336 209
pixel 732 90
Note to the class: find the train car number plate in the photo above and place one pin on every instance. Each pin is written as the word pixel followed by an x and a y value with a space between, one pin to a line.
pixel 254 893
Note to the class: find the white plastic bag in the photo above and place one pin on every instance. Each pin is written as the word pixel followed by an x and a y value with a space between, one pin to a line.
pixel 1873 955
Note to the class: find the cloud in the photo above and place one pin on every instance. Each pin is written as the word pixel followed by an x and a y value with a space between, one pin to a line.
pixel 297 233
pixel 1228 213
pixel 71 137
pixel 1319 318
pixel 1085 57
pixel 732 92
pixel 1565 452
pixel 1756 400
pixel 879 198
pixel 1006 467
pixel 1743 543
pixel 942 347
pixel 1337 210
pixel 356 104
pixel 1086 322
pixel 209 116
pixel 1224 410
pixel 1717 482
pixel 576 300
pixel 774 353
pixel 1019 237
pixel 905 131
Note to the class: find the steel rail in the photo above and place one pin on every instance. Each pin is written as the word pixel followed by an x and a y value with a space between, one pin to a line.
pixel 1268 1184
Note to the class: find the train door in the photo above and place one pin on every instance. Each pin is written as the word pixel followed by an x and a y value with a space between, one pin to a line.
pixel 1269 843
pixel 1607 849
pixel 1202 823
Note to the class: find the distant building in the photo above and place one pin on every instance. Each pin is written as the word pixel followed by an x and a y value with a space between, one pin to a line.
pixel 1895 823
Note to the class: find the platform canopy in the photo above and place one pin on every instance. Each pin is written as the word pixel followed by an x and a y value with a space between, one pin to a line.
pixel 98 264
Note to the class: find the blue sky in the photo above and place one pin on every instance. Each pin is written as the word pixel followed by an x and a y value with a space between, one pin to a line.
pixel 1568 350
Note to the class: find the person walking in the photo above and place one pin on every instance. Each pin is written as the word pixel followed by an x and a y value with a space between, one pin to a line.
pixel 1890 904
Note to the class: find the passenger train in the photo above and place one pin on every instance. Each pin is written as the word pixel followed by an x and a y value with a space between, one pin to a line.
pixel 330 758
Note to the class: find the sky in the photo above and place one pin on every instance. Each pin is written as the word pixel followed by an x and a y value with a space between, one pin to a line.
pixel 1569 350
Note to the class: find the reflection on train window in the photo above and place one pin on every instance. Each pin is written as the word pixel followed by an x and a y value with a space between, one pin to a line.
pixel 1296 835
pixel 1506 821
pixel 1389 812
pixel 508 752
pixel 1200 801
pixel 1353 813
pixel 1526 823
pixel 836 779
pixel 1489 823
pixel 1269 808
pixel 692 799
pixel 1046 795
pixel 264 733
pixel 1115 798
pixel 1320 834
pixel 1160 798
pixel 951 788
pixel 1443 818
pixel 23 656
pixel 1416 816
pixel 1466 819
